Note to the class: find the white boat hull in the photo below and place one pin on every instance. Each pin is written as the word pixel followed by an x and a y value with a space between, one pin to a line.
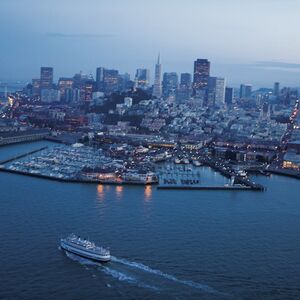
pixel 84 253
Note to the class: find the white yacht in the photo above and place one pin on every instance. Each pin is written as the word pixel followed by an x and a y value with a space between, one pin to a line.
pixel 84 248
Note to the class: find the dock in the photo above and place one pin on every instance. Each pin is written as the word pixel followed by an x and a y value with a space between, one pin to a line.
pixel 209 188
pixel 238 179
pixel 22 155
pixel 71 180
pixel 284 172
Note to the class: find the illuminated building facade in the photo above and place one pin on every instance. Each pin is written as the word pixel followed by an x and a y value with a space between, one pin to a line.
pixel 46 78
pixel 157 88
pixel 111 81
pixel 64 84
pixel 201 74
pixel 142 78
pixel 169 84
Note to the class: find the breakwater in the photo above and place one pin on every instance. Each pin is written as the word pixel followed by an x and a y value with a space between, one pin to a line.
pixel 22 155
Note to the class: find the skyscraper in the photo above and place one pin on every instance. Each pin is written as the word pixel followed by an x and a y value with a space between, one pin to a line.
pixel 88 90
pixel 185 88
pixel 185 80
pixel 46 78
pixel 216 91
pixel 211 91
pixel 50 95
pixel 111 81
pixel 229 93
pixel 78 84
pixel 276 89
pixel 245 91
pixel 99 79
pixel 36 86
pixel 124 82
pixel 220 91
pixel 63 85
pixel 142 78
pixel 201 74
pixel 157 89
pixel 169 84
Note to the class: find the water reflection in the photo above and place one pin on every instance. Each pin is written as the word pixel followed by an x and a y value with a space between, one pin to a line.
pixel 119 191
pixel 100 192
pixel 148 193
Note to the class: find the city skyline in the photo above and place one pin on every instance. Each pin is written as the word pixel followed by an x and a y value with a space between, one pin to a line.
pixel 149 149
pixel 129 42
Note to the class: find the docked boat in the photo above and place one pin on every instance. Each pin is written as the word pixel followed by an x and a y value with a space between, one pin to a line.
pixel 185 161
pixel 84 248
pixel 139 178
pixel 197 163
pixel 242 173
pixel 177 161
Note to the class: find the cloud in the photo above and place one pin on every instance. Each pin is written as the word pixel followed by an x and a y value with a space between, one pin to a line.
pixel 77 35
pixel 278 65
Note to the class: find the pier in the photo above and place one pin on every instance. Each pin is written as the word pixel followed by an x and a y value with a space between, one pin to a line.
pixel 190 179
pixel 209 188
pixel 71 180
pixel 22 136
pixel 227 172
pixel 285 172
pixel 22 155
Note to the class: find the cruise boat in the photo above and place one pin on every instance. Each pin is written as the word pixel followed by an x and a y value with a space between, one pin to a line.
pixel 137 178
pixel 84 248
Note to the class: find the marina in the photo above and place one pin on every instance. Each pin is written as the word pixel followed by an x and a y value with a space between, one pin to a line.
pixel 83 164
pixel 77 163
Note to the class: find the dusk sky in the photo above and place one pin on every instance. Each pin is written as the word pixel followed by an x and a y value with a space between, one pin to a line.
pixel 247 41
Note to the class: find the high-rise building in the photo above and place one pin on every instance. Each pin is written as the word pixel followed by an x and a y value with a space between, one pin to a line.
pixel 142 77
pixel 46 78
pixel 185 80
pixel 216 91
pixel 184 91
pixel 69 95
pixel 74 95
pixel 88 90
pixel 124 82
pixel 229 93
pixel 36 87
pixel 99 79
pixel 79 81
pixel 276 89
pixel 245 91
pixel 50 95
pixel 211 91
pixel 63 85
pixel 201 74
pixel 111 81
pixel 220 91
pixel 157 89
pixel 169 84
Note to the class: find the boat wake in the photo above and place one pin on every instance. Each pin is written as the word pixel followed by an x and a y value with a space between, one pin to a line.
pixel 147 269
pixel 124 277
pixel 130 275
pixel 121 276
